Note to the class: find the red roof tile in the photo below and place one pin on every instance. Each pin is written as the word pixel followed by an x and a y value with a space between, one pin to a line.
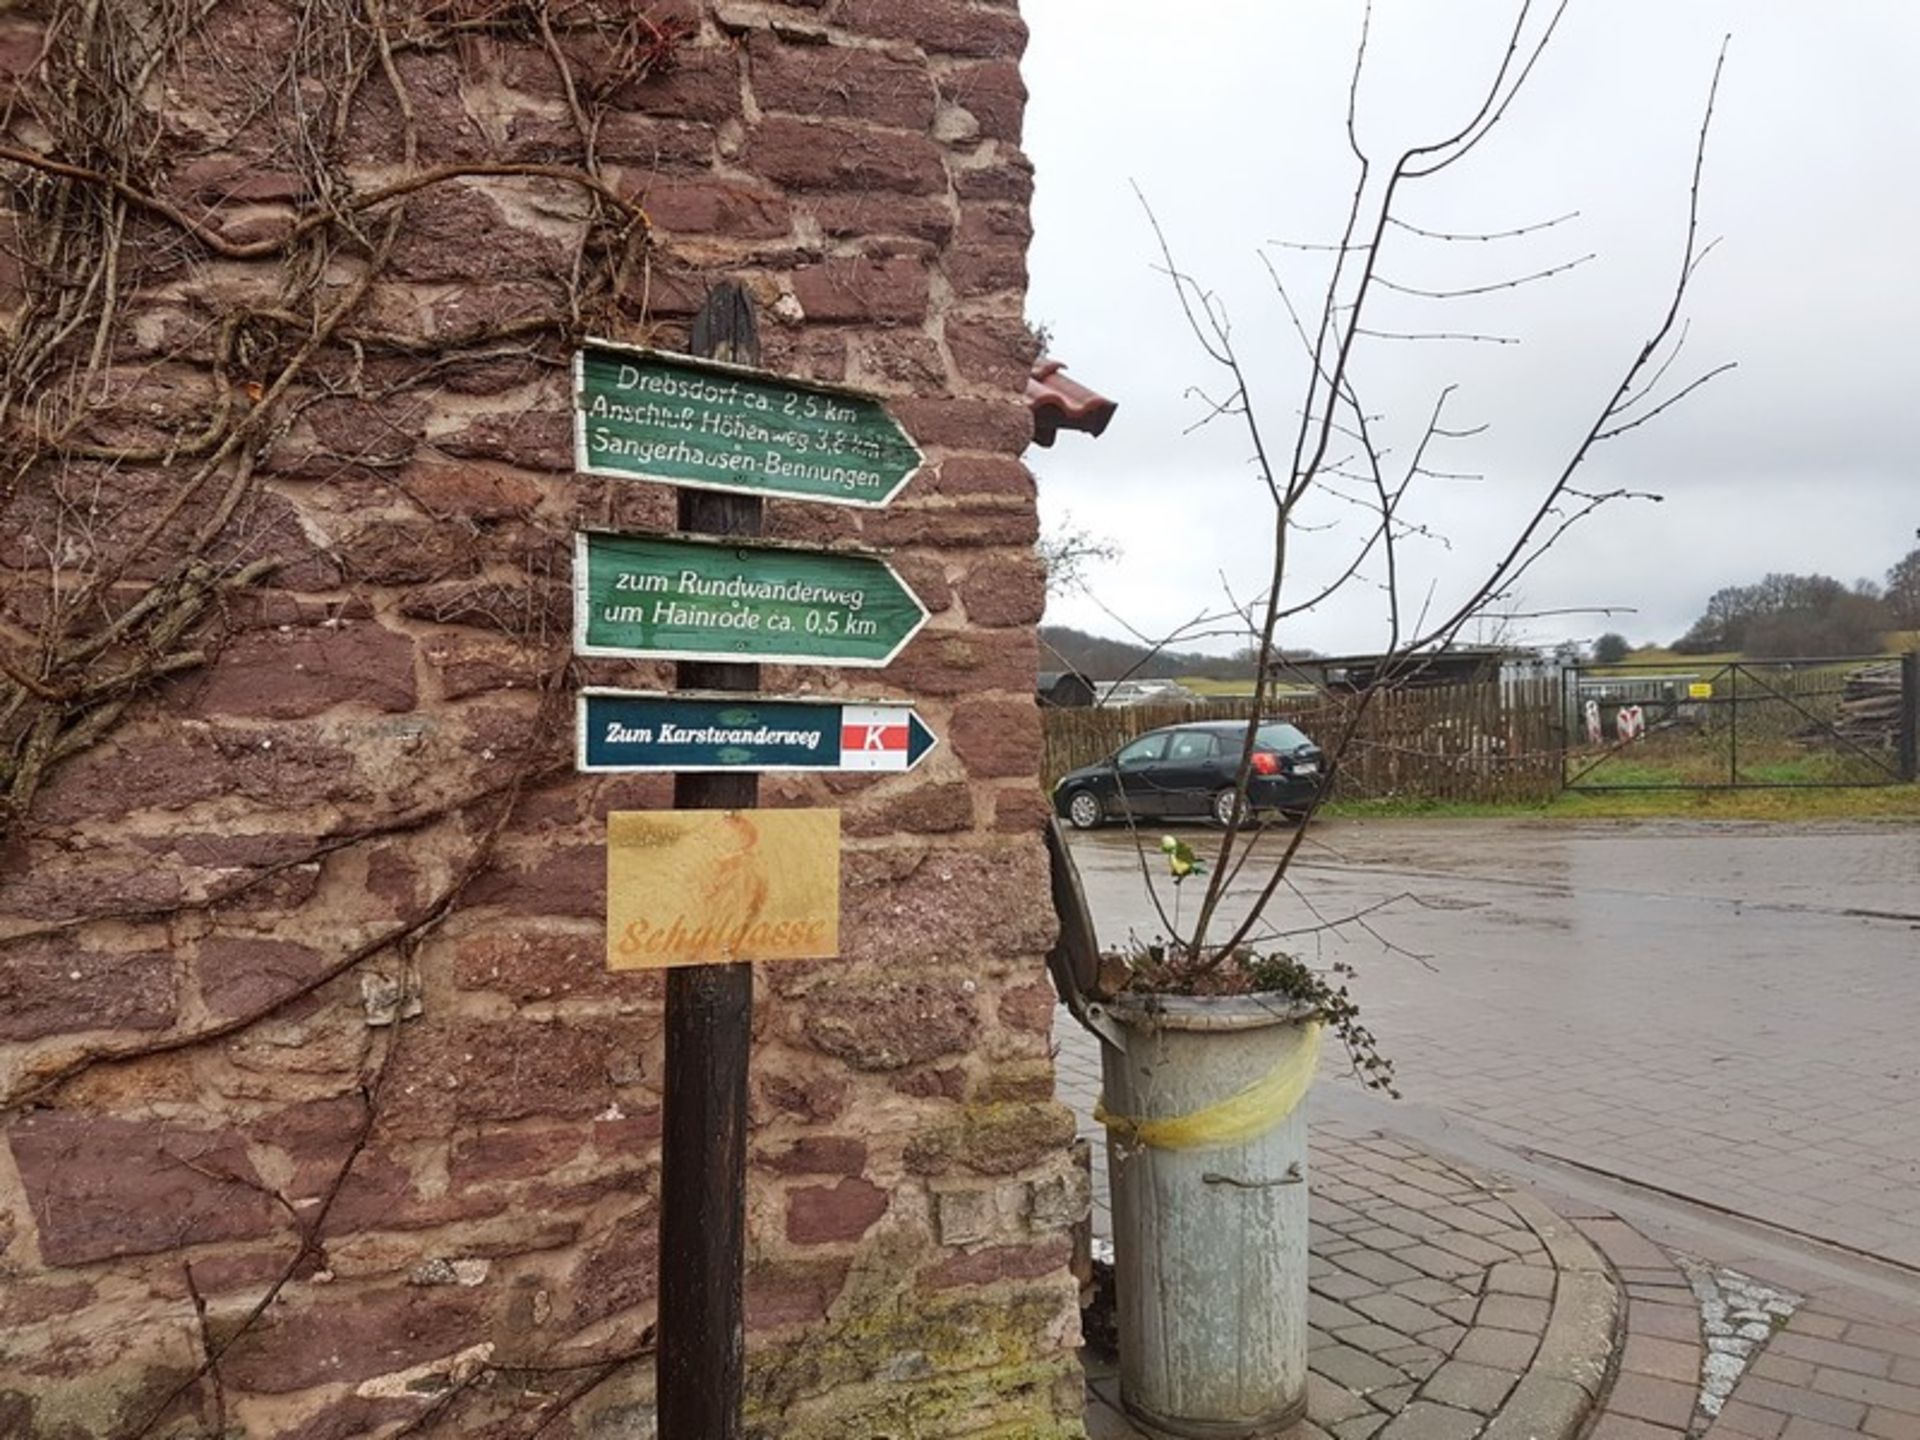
pixel 1062 404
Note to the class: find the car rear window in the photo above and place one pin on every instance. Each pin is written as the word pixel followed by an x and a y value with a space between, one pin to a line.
pixel 1282 737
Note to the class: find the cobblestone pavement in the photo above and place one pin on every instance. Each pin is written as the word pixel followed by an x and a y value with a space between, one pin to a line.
pixel 1714 1350
pixel 1726 1012
pixel 1447 1305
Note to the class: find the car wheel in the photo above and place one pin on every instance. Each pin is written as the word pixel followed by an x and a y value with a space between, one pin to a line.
pixel 1222 809
pixel 1085 810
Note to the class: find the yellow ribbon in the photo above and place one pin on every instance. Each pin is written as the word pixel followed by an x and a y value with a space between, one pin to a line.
pixel 1238 1118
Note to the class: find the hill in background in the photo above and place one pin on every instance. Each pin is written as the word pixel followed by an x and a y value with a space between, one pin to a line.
pixel 1098 658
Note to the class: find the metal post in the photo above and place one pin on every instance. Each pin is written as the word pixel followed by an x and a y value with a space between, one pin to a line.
pixel 703 1149
pixel 1910 716
pixel 1733 723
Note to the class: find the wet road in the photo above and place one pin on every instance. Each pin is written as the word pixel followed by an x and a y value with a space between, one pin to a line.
pixel 1727 1012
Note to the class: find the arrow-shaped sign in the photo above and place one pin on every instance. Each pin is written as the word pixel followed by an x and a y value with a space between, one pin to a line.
pixel 650 415
pixel 625 730
pixel 645 597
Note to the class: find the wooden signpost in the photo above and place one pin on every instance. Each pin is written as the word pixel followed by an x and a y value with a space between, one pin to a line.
pixel 714 884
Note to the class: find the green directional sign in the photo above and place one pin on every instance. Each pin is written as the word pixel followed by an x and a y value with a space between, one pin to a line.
pixel 647 597
pixel 628 730
pixel 656 416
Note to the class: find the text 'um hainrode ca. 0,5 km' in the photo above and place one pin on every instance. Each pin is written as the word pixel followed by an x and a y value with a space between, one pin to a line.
pixel 649 597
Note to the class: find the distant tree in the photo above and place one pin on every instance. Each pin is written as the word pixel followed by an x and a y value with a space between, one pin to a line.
pixel 1611 648
pixel 1903 591
pixel 1851 625
pixel 1787 614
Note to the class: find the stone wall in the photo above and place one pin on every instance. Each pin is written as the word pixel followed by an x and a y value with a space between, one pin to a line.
pixel 324 1118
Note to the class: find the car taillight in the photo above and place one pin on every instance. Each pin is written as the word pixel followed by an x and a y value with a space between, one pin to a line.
pixel 1265 763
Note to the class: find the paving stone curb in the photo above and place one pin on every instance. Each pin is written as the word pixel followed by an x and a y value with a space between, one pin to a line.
pixel 1585 1328
pixel 1571 1370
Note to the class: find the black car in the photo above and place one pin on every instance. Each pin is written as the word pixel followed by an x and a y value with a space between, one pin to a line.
pixel 1189 770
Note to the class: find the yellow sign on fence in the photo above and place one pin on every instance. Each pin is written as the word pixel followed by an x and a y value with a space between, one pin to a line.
pixel 1700 690
pixel 709 887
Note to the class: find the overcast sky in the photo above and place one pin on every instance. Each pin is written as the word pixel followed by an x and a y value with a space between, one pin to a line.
pixel 1229 114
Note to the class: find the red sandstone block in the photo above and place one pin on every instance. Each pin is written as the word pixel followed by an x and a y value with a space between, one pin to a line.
pixel 477 491
pixel 1011 180
pixel 556 879
pixel 1029 1007
pixel 23 1304
pixel 905 359
pixel 993 350
pixel 885 1024
pixel 926 576
pixel 352 1333
pixel 1002 1262
pixel 540 440
pixel 700 83
pixel 443 130
pixel 992 92
pixel 814 1155
pixel 792 1292
pixel 823 1214
pixel 711 206
pixel 953 527
pixel 460 232
pixel 99 1186
pixel 620 1268
pixel 941 27
pixel 292 674
pixel 968 475
pixel 823 155
pixel 926 808
pixel 810 1097
pixel 528 965
pixel 855 288
pixel 1003 426
pixel 248 975
pixel 1020 810
pixel 62 985
pixel 407 551
pixel 838 82
pixel 468 1071
pixel 503 1156
pixel 1004 591
pixel 382 1193
pixel 879 216
pixel 997 738
pixel 813 352
pixel 970 662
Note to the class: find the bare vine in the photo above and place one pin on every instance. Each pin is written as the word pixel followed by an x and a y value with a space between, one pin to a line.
pixel 167 342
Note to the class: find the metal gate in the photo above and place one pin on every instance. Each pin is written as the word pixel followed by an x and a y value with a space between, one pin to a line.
pixel 1743 724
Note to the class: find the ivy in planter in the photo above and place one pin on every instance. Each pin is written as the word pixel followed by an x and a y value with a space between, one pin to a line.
pixel 1161 967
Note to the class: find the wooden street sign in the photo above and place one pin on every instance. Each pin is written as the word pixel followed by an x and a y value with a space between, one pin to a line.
pixel 627 730
pixel 716 887
pixel 651 415
pixel 643 597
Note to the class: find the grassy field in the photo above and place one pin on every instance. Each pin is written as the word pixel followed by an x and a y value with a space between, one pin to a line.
pixel 1890 802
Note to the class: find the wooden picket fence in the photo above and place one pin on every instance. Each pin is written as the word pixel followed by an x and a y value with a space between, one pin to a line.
pixel 1491 742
